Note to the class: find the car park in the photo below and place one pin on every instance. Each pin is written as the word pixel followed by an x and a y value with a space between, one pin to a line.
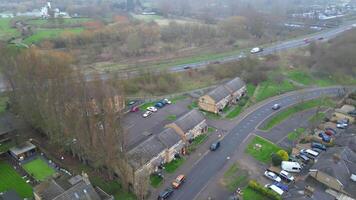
pixel 318 146
pixel 152 109
pixel 275 189
pixel 281 186
pixel 165 194
pixel 276 106
pixel 286 176
pixel 214 146
pixel 324 137
pixel 147 114
pixel 178 181
pixel 272 176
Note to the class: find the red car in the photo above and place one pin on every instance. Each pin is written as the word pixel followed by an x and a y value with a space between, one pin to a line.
pixel 329 133
pixel 135 109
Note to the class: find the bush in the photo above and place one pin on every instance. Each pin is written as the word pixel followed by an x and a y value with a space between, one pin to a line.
pixel 276 160
pixel 283 154
pixel 266 192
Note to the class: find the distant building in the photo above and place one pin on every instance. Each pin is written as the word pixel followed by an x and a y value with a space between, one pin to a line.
pixel 77 187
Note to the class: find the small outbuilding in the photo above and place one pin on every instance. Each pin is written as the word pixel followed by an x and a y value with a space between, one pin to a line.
pixel 23 151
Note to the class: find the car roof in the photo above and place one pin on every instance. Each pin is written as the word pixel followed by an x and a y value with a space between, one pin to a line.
pixel 180 176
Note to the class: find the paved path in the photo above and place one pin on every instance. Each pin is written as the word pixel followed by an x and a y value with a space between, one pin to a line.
pixel 208 166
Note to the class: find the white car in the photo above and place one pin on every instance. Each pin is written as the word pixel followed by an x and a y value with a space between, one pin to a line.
pixel 167 101
pixel 147 114
pixel 272 176
pixel 256 50
pixel 152 109
pixel 286 175
pixel 276 106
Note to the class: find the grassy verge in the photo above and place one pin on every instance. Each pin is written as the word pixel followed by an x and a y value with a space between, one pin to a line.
pixel 271 88
pixel 173 165
pixel 171 117
pixel 6 32
pixel 300 77
pixel 235 177
pixel 10 179
pixel 155 180
pixel 178 98
pixel 112 187
pixel 5 146
pixel 317 117
pixel 196 142
pixel 264 153
pixel 286 113
pixel 39 169
pixel 43 34
pixel 146 105
pixel 193 105
pixel 295 134
pixel 250 194
pixel 211 129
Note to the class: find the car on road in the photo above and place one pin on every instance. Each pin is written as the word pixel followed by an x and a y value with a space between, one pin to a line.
pixel 256 50
pixel 320 38
pixel 281 186
pixel 214 146
pixel 147 114
pixel 178 181
pixel 324 137
pixel 318 146
pixel 186 67
pixel 152 109
pixel 286 176
pixel 276 106
pixel 165 194
pixel 272 176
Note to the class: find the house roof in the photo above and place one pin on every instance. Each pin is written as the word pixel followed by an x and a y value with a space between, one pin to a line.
pixel 81 191
pixel 339 162
pixel 189 120
pixel 145 151
pixel 218 93
pixel 169 137
pixel 10 195
pixel 49 190
pixel 27 146
pixel 235 84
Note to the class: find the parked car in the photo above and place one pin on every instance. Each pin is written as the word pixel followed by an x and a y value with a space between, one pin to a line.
pixel 324 137
pixel 132 102
pixel 135 109
pixel 320 38
pixel 341 126
pixel 329 133
pixel 165 194
pixel 291 166
pixel 331 130
pixel 317 150
pixel 276 106
pixel 256 50
pixel 286 176
pixel 147 114
pixel 318 146
pixel 159 105
pixel 281 185
pixel 272 176
pixel 152 109
pixel 303 158
pixel 214 146
pixel 178 181
pixel 275 189
pixel 309 153
pixel 167 101
pixel 352 113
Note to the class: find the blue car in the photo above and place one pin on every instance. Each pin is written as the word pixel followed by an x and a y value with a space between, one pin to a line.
pixel 159 105
pixel 318 146
pixel 324 137
pixel 281 185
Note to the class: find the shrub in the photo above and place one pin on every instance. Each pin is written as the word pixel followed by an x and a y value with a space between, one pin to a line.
pixel 266 192
pixel 276 160
pixel 283 154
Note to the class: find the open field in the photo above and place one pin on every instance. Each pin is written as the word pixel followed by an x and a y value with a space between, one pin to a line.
pixel 10 179
pixel 271 88
pixel 39 169
pixel 68 22
pixel 235 177
pixel 6 32
pixel 249 193
pixel 43 34
pixel 286 113
pixel 264 153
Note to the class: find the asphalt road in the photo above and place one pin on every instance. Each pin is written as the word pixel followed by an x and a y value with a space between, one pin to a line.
pixel 209 165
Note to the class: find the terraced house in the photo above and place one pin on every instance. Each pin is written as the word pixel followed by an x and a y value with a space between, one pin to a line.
pixel 219 98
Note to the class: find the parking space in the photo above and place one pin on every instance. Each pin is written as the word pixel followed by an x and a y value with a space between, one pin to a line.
pixel 139 128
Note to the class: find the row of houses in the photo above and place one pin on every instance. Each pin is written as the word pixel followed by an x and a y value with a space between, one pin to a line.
pixel 225 95
pixel 151 154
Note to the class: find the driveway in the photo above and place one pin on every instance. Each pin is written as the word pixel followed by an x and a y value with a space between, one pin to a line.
pixel 213 162
pixel 138 128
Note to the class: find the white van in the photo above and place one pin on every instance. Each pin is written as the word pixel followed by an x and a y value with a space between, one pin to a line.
pixel 291 166
pixel 310 153
pixel 275 189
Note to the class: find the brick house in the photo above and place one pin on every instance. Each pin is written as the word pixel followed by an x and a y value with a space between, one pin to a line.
pixel 190 125
pixel 173 142
pixel 237 88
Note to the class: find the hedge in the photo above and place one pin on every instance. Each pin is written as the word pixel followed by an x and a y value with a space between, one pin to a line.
pixel 264 191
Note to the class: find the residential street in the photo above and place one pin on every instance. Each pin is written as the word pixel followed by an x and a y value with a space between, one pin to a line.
pixel 212 163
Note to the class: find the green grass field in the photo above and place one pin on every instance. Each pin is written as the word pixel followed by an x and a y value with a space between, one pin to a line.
pixel 235 177
pixel 295 134
pixel 155 180
pixel 39 169
pixel 301 77
pixel 250 194
pixel 69 21
pixel 10 179
pixel 288 112
pixel 6 32
pixel 270 88
pixel 264 153
pixel 173 165
pixel 43 34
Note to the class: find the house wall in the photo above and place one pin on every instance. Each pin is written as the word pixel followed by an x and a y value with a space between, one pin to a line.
pixel 177 148
pixel 238 94
pixel 197 130
pixel 208 104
